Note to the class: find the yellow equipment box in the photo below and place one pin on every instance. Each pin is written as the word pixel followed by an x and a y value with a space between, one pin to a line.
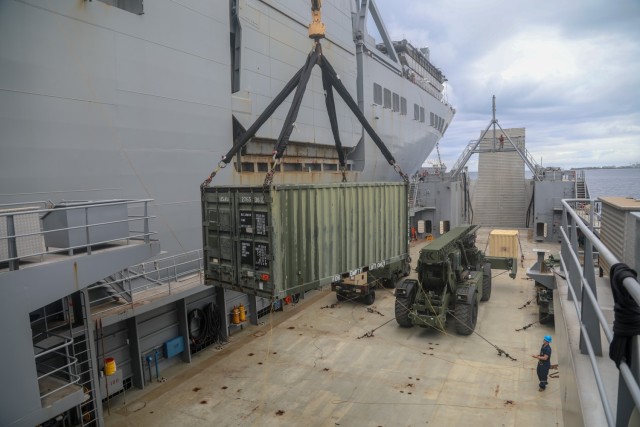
pixel 503 243
pixel 358 279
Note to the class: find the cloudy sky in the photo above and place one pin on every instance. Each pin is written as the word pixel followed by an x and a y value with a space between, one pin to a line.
pixel 566 70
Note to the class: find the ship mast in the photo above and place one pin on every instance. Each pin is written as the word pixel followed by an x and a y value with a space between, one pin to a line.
pixel 474 147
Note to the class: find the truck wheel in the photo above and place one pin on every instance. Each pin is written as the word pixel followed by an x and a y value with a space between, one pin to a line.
pixel 466 317
pixel 392 282
pixel 389 283
pixel 403 305
pixel 486 282
pixel 341 297
pixel 370 297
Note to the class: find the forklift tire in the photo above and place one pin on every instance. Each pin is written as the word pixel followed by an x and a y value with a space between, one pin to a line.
pixel 403 304
pixel 370 297
pixel 466 317
pixel 544 317
pixel 486 282
pixel 341 297
pixel 538 288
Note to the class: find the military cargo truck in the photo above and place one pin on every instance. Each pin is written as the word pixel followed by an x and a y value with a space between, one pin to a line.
pixel 362 285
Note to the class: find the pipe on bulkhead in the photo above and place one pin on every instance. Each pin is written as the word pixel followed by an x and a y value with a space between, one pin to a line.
pixel 148 359
pixel 155 356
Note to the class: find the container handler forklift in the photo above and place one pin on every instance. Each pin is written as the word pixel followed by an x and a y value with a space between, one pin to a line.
pixel 453 277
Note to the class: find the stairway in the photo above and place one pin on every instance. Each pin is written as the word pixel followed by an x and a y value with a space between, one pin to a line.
pixel 581 189
pixel 111 288
pixel 413 194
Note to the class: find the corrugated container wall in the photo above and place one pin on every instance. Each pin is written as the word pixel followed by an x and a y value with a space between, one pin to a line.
pixel 503 243
pixel 618 229
pixel 293 238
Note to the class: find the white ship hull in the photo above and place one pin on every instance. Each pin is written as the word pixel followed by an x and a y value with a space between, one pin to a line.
pixel 97 102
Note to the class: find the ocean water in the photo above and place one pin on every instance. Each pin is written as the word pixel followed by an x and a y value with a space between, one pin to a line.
pixel 605 182
pixel 613 182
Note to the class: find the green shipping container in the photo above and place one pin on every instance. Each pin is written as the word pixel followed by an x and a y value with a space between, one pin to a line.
pixel 293 238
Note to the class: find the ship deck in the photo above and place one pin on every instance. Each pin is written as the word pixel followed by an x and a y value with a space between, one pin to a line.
pixel 314 364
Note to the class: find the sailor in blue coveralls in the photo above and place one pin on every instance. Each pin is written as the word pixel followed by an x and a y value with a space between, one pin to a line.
pixel 544 362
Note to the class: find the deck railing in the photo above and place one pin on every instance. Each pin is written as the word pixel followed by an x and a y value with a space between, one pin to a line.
pixel 24 232
pixel 582 290
pixel 56 361
pixel 160 277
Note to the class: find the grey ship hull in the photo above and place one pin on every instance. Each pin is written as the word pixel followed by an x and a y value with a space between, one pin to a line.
pixel 97 102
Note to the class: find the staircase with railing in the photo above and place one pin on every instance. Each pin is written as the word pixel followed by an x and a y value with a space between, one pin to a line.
pixel 517 144
pixel 464 157
pixel 55 364
pixel 413 195
pixel 55 357
pixel 581 189
pixel 534 167
pixel 49 359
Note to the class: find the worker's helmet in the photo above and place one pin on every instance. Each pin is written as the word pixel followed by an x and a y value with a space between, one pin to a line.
pixel 547 338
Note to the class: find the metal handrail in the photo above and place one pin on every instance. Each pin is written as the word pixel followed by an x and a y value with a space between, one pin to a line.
pixel 52 349
pixel 570 222
pixel 60 250
pixel 531 159
pixel 68 208
pixel 630 284
pixel 604 399
pixel 71 361
pixel 12 237
pixel 462 157
pixel 24 204
pixel 172 275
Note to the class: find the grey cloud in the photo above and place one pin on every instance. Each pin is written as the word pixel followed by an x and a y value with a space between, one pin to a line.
pixel 582 113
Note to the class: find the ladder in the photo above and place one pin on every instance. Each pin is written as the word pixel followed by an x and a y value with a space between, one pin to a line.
pixel 91 408
pixel 582 192
pixel 413 194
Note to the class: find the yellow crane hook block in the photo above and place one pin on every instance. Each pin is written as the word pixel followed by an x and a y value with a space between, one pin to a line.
pixel 316 27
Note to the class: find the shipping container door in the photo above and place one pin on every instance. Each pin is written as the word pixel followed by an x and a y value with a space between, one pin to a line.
pixel 253 245
pixel 219 247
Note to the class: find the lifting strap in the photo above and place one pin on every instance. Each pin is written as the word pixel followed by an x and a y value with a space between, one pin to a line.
pixel 290 120
pixel 330 81
pixel 333 120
